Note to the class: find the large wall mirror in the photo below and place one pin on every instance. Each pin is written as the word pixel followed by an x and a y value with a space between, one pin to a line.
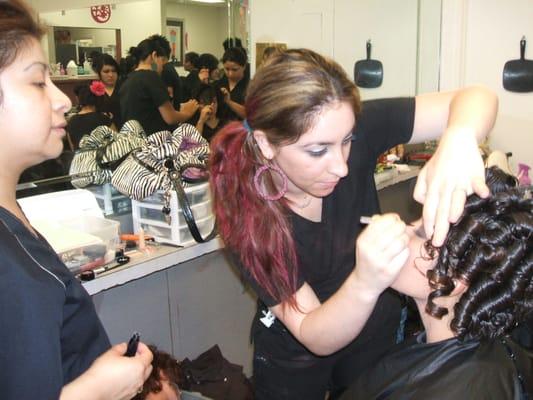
pixel 202 26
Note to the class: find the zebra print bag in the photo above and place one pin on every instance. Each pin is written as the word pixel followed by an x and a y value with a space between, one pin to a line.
pixel 167 161
pixel 101 151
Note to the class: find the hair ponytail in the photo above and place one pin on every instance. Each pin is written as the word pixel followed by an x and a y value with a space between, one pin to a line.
pixel 282 100
pixel 256 229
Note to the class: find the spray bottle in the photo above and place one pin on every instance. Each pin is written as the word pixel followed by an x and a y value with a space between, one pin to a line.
pixel 523 174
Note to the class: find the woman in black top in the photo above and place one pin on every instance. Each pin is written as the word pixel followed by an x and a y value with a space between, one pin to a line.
pixel 108 71
pixel 234 83
pixel 144 97
pixel 290 185
pixel 470 293
pixel 208 119
pixel 53 344
pixel 90 99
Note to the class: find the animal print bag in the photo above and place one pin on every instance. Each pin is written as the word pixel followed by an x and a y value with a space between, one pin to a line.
pixel 167 161
pixel 102 151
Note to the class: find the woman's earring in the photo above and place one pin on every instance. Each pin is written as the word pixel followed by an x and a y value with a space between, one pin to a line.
pixel 261 191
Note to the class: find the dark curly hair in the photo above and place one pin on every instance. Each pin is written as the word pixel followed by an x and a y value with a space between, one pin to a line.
pixel 161 363
pixel 490 249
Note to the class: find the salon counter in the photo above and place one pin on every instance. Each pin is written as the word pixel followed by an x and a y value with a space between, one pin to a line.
pixel 156 259
pixel 186 300
pixel 67 83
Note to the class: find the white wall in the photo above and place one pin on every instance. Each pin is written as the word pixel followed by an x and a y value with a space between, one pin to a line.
pixel 136 20
pixel 56 5
pixel 479 37
pixel 392 27
pixel 340 29
pixel 298 23
pixel 205 26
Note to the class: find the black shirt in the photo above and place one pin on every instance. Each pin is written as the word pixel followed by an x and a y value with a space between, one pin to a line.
pixel 238 95
pixel 141 95
pixel 326 249
pixel 50 331
pixel 111 105
pixel 448 370
pixel 80 125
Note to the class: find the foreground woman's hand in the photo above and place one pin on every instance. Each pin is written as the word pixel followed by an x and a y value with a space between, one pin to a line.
pixel 454 172
pixel 112 376
pixel 382 250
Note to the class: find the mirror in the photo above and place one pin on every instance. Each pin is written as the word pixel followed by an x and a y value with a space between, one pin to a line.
pixel 73 43
pixel 203 28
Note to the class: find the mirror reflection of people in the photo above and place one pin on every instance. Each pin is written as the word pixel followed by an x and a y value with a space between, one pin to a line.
pixel 234 83
pixel 169 74
pixel 290 184
pixel 471 292
pixel 108 71
pixel 190 61
pixel 53 344
pixel 208 117
pixel 90 115
pixel 206 73
pixel 144 97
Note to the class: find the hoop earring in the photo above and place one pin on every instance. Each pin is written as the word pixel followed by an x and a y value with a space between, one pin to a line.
pixel 261 192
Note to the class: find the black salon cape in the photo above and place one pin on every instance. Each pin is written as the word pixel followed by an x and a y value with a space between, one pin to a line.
pixel 447 370
pixel 49 330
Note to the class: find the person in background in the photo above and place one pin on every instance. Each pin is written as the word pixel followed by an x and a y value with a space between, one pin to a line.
pixel 269 52
pixel 207 72
pixel 296 177
pixel 208 120
pixel 170 75
pixel 144 97
pixel 190 62
pixel 470 292
pixel 108 71
pixel 234 83
pixel 165 379
pixel 230 42
pixel 53 343
pixel 90 100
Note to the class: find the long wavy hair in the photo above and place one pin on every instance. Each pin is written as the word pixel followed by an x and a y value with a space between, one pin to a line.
pixel 283 100
pixel 490 249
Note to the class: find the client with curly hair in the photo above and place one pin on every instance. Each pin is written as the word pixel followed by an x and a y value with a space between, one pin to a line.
pixel 471 292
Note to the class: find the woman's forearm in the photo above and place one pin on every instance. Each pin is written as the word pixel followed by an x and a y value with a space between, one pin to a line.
pixel 339 320
pixel 472 109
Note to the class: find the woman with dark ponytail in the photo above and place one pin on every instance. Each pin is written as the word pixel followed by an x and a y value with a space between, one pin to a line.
pixel 290 185
pixel 471 293
pixel 108 71
pixel 144 96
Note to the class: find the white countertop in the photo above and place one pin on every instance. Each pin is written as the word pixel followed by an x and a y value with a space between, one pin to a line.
pixel 393 176
pixel 73 77
pixel 144 264
pixel 165 256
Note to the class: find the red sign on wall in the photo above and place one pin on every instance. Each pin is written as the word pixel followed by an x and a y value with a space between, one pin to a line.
pixel 101 14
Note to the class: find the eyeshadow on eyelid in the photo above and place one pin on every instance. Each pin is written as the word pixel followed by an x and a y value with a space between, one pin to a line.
pixel 420 232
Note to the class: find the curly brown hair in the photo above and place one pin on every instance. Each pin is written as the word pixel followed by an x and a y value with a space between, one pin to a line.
pixel 490 249
pixel 164 365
